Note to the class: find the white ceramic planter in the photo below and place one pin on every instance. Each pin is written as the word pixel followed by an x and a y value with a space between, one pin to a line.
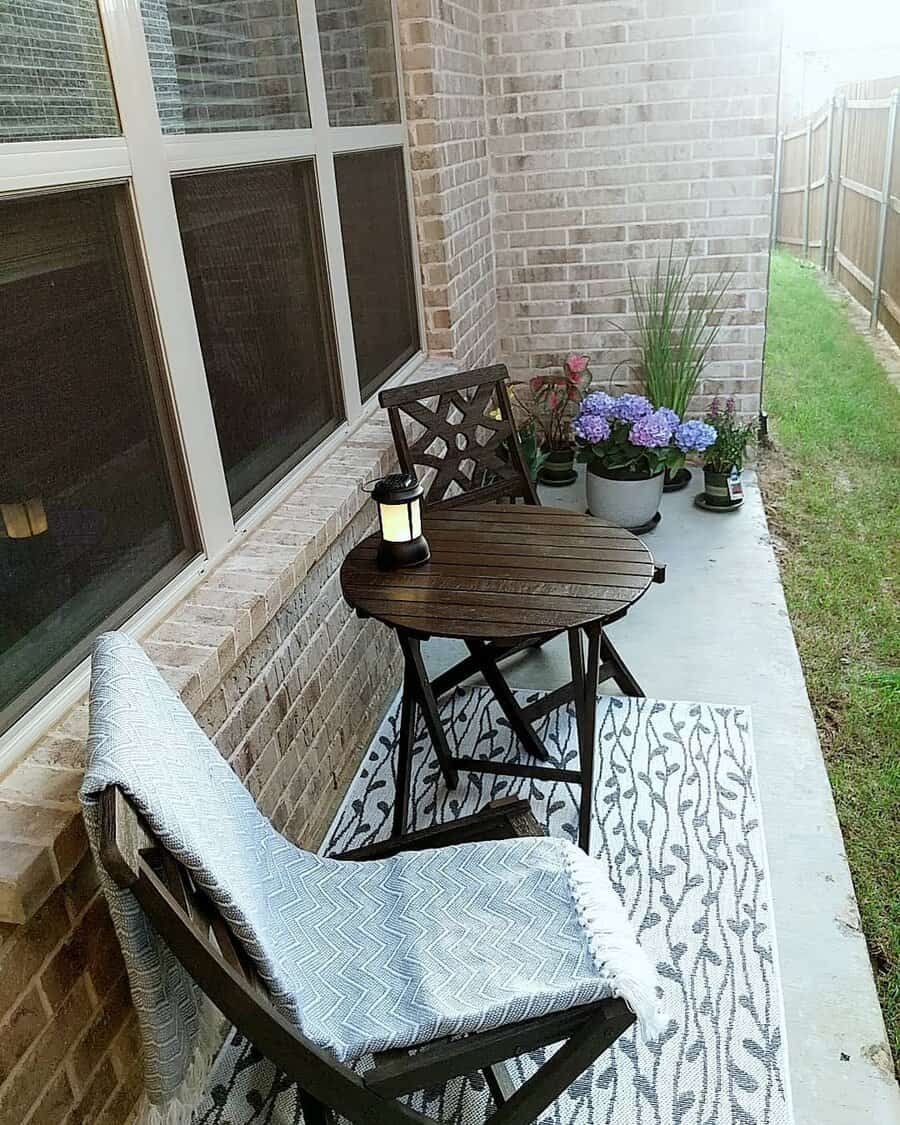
pixel 626 503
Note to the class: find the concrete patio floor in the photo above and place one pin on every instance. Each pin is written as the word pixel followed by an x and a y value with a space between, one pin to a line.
pixel 718 632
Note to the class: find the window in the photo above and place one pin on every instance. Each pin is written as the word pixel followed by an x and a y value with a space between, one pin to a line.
pixel 54 77
pixel 207 269
pixel 377 249
pixel 230 64
pixel 90 519
pixel 256 265
pixel 357 43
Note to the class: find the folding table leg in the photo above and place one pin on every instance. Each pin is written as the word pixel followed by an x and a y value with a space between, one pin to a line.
pixel 586 679
pixel 620 673
pixel 522 729
pixel 404 754
pixel 418 679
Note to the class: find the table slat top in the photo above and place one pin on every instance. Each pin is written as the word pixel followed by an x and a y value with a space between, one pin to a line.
pixel 503 571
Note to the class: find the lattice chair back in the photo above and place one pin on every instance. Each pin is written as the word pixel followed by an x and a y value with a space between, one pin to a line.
pixel 462 436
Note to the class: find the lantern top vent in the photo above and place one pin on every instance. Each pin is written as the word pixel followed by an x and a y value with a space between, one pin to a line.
pixel 398 488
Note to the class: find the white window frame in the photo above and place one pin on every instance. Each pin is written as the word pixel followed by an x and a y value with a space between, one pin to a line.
pixel 146 159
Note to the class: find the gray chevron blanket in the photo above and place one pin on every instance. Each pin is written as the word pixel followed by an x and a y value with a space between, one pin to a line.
pixel 362 957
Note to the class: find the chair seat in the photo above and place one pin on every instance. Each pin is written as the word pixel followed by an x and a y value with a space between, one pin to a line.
pixel 398 952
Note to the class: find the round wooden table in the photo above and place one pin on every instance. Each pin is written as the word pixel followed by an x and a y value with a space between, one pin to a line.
pixel 503 577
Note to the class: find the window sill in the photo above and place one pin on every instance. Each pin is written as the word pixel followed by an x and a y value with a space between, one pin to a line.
pixel 42 837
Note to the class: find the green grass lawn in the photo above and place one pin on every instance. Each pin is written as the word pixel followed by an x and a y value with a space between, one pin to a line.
pixel 832 490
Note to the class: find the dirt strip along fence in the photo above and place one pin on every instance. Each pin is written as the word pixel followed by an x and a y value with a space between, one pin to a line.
pixel 837 194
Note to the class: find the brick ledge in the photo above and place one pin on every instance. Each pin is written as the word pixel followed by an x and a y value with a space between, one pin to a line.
pixel 42 837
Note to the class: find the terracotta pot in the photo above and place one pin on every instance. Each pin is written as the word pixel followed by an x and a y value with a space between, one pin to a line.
pixel 625 499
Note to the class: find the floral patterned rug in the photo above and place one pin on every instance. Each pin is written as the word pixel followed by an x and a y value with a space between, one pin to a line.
pixel 676 819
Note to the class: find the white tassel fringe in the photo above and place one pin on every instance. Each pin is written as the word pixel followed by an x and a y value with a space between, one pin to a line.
pixel 613 945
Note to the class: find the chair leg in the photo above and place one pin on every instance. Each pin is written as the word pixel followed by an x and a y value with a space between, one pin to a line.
pixel 499 1083
pixel 556 1075
pixel 314 1112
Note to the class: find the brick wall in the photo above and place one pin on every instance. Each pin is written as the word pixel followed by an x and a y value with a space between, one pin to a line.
pixel 610 129
pixel 289 684
pixel 443 73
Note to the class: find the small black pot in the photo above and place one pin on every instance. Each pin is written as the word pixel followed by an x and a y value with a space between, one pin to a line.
pixel 722 490
pixel 558 468
pixel 680 480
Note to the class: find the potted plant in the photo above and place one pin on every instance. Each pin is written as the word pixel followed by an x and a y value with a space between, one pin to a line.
pixel 723 460
pixel 678 317
pixel 554 400
pixel 532 454
pixel 627 446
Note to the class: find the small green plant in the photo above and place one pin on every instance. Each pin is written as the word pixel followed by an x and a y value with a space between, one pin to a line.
pixel 732 439
pixel 532 453
pixel 678 320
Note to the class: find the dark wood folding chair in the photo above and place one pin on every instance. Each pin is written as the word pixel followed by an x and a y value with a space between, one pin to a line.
pixel 201 940
pixel 468 440
pixel 474 453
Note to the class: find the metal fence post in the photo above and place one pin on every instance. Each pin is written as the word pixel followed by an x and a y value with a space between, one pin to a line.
pixel 841 104
pixel 885 208
pixel 806 192
pixel 826 186
pixel 776 189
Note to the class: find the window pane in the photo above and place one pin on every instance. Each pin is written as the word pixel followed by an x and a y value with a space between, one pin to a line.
pixel 54 77
pixel 89 524
pixel 357 42
pixel 255 259
pixel 378 252
pixel 230 64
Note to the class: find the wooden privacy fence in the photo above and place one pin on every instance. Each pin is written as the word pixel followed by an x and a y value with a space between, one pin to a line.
pixel 837 194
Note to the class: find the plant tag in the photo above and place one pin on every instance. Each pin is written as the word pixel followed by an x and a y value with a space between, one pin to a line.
pixel 735 487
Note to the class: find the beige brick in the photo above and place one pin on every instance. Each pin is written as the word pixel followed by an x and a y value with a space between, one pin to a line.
pixel 28 1083
pixel 20 1029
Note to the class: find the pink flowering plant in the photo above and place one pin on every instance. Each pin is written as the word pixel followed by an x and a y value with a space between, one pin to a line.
pixel 625 435
pixel 555 399
pixel 731 441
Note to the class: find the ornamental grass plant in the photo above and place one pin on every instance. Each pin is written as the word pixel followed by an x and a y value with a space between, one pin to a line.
pixel 678 319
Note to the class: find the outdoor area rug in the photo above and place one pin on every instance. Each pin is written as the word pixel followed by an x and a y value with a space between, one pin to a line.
pixel 676 819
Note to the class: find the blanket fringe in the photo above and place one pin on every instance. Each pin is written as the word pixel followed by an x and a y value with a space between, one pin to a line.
pixel 612 942
pixel 179 1108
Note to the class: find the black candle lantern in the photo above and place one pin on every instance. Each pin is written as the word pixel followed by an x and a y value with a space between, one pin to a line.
pixel 399 500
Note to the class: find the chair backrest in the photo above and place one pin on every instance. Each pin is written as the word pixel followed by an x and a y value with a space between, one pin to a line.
pixel 468 438
pixel 200 938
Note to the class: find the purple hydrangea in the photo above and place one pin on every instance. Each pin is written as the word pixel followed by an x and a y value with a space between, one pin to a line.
pixel 652 431
pixel 694 436
pixel 629 408
pixel 669 413
pixel 591 428
pixel 599 403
